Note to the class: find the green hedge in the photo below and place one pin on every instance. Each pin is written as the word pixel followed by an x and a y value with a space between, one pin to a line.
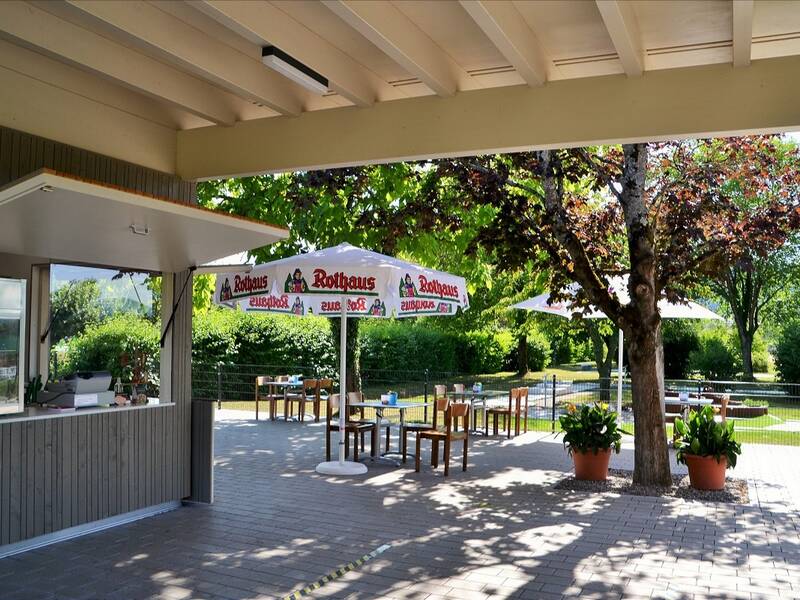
pixel 101 346
pixel 787 353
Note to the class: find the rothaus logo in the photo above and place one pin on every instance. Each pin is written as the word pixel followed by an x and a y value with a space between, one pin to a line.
pixel 434 287
pixel 248 284
pixel 342 281
pixel 270 302
pixel 417 305
pixel 354 305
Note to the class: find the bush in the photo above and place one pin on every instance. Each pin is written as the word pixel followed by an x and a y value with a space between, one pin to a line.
pixel 101 346
pixel 407 346
pixel 787 353
pixel 538 351
pixel 485 352
pixel 715 358
pixel 239 338
pixel 680 340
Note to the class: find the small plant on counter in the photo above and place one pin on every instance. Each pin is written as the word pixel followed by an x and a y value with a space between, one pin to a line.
pixel 590 433
pixel 32 390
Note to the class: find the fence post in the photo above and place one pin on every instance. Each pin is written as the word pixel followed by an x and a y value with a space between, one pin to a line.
pixel 425 395
pixel 699 389
pixel 553 417
pixel 219 385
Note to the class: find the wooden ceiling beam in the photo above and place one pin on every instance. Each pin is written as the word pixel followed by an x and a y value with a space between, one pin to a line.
pixel 149 28
pixel 504 26
pixel 621 25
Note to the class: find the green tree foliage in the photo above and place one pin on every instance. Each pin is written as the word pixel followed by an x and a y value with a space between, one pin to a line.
pixel 73 307
pixel 715 358
pixel 760 171
pixel 787 353
pixel 680 339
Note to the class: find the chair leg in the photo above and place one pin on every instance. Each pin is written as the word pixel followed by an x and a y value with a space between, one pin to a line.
pixel 373 448
pixel 485 424
pixel 346 445
pixel 495 423
pixel 435 452
pixel 507 420
pixel 525 428
pixel 355 447
pixel 256 408
pixel 327 444
pixel 417 453
pixel 388 437
pixel 466 448
pixel 404 443
pixel 446 456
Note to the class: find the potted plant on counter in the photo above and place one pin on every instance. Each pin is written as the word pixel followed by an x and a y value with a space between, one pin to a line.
pixel 590 432
pixel 706 447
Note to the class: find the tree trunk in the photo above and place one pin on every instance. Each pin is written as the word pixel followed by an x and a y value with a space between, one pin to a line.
pixel 651 458
pixel 522 354
pixel 746 341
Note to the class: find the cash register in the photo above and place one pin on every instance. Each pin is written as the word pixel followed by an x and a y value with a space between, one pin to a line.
pixel 79 390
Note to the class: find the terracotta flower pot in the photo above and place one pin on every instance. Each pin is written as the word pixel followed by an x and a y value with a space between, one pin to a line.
pixel 590 466
pixel 705 473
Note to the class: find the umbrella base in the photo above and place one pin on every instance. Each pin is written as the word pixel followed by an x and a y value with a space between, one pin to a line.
pixel 341 468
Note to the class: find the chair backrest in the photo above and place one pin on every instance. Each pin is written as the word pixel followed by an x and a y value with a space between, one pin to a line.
pixel 354 397
pixel 282 378
pixel 311 385
pixel 333 407
pixel 456 411
pixel 439 390
pixel 458 388
pixel 723 409
pixel 263 380
pixel 326 384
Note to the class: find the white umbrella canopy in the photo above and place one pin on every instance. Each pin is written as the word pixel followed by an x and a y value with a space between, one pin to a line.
pixel 619 286
pixel 343 281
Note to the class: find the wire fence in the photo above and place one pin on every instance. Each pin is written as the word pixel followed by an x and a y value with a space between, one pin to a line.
pixel 764 413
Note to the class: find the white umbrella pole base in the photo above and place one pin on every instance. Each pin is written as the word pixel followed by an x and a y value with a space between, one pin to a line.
pixel 347 467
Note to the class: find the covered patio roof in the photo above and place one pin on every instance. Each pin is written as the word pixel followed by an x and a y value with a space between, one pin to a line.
pixel 180 86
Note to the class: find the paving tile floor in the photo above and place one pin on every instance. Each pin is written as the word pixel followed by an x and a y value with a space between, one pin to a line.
pixel 497 531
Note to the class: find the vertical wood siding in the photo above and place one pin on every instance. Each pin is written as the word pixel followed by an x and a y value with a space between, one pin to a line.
pixel 67 471
pixel 22 153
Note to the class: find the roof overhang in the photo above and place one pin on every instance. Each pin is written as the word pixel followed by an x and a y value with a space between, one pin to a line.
pixel 67 219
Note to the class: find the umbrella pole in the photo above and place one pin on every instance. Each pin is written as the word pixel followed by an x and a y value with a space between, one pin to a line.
pixel 341 466
pixel 342 378
pixel 619 376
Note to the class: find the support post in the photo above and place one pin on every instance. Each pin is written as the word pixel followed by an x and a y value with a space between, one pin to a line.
pixel 425 397
pixel 219 385
pixel 553 409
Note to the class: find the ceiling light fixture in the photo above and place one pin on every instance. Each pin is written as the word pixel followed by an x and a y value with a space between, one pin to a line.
pixel 277 59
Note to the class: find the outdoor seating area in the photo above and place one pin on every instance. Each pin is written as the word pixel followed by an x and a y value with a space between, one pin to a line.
pixel 498 530
pixel 445 415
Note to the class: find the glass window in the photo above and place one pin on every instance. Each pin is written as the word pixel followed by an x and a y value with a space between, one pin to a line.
pixel 106 320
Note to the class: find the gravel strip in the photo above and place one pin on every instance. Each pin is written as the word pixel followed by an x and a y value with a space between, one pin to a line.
pixel 621 482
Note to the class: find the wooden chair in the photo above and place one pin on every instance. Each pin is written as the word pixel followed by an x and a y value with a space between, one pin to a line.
pixel 271 396
pixel 516 396
pixel 447 434
pixel 439 391
pixel 325 390
pixel 354 427
pixel 352 398
pixel 308 393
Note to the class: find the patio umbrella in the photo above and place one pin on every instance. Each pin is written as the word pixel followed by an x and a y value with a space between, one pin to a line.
pixel 343 281
pixel 619 286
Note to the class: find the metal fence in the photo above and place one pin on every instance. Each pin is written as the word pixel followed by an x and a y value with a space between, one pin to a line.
pixel 765 413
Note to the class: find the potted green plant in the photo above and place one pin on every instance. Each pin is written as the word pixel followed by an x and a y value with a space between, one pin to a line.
pixel 706 447
pixel 590 432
